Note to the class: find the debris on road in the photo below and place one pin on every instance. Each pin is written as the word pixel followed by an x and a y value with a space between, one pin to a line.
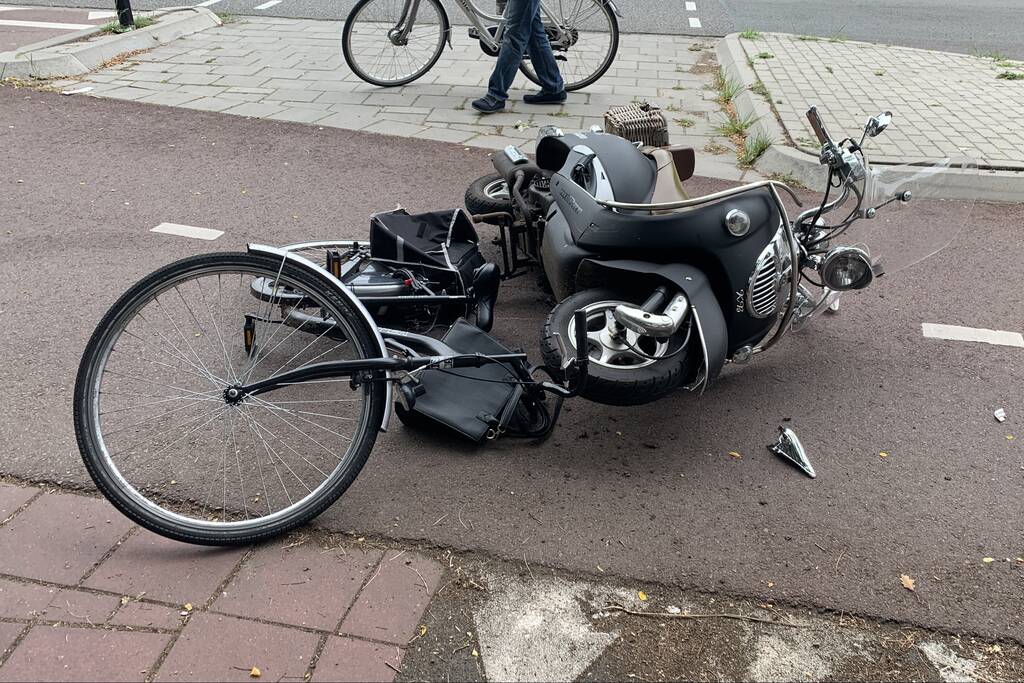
pixel 908 582
pixel 1000 415
pixel 78 91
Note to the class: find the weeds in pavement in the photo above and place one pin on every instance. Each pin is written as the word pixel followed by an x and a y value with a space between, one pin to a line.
pixel 734 127
pixel 672 107
pixel 750 34
pixel 759 89
pixel 115 25
pixel 813 39
pixel 1011 76
pixel 786 179
pixel 226 18
pixel 765 55
pixel 754 147
pixel 684 122
pixel 879 72
pixel 838 36
pixel 997 56
pixel 727 88
pixel 716 148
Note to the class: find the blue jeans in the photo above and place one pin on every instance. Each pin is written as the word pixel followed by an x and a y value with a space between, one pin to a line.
pixel 524 30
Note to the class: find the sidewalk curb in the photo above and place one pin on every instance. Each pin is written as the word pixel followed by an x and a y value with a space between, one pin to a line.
pixel 63 56
pixel 785 158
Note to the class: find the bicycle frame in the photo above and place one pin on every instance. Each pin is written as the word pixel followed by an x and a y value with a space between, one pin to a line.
pixel 476 17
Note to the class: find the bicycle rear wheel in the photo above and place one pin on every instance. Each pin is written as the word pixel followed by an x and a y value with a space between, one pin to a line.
pixel 586 44
pixel 154 423
pixel 377 53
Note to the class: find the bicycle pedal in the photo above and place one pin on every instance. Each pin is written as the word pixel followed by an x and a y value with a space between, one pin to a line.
pixel 473 33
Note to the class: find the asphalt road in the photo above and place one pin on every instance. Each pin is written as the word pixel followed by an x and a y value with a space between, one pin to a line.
pixel 979 27
pixel 648 493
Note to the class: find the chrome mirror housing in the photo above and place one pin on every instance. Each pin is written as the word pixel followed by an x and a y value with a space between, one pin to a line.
pixel 789 448
pixel 876 124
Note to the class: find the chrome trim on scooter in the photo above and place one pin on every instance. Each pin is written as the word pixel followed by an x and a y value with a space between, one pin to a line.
pixel 702 377
pixel 349 297
pixel 697 201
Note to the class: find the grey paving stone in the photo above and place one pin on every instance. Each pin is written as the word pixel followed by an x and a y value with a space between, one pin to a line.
pixel 445 134
pixel 254 109
pixel 126 93
pixel 300 114
pixel 294 95
pixel 210 104
pixel 196 79
pixel 170 99
pixel 240 81
pixel 399 128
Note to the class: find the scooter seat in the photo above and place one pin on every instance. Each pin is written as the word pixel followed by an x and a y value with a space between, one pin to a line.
pixel 674 164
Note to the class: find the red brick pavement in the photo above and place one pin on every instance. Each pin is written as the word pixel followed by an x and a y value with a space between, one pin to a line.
pixel 84 596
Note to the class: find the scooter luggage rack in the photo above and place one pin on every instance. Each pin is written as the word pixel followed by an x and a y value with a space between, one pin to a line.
pixel 512 260
pixel 773 187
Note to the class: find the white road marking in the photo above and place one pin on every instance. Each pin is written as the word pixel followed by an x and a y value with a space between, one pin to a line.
pixel 43 24
pixel 972 334
pixel 8 8
pixel 208 3
pixel 101 15
pixel 188 231
pixel 694 22
pixel 691 7
pixel 268 5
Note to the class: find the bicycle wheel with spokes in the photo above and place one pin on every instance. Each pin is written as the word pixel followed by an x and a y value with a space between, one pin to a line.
pixel 584 42
pixel 380 49
pixel 166 442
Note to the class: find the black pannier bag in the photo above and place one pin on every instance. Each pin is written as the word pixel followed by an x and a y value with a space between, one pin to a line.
pixel 476 403
pixel 437 239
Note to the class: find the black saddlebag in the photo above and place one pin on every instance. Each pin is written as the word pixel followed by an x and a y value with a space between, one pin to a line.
pixel 476 403
pixel 438 240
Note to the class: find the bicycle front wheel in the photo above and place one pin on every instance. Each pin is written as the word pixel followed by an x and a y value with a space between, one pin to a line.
pixel 383 50
pixel 165 441
pixel 584 41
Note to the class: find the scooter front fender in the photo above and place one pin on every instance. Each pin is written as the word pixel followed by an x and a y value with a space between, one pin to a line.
pixel 707 314
pixel 346 294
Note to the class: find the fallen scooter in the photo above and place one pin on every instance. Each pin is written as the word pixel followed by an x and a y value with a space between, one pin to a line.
pixel 230 397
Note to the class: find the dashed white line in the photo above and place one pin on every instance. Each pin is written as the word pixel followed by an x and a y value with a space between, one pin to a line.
pixel 694 22
pixel 43 24
pixel 208 3
pixel 972 334
pixel 7 8
pixel 187 231
pixel 268 5
pixel 691 7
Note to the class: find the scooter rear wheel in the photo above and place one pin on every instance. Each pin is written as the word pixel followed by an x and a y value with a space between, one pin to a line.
pixel 628 370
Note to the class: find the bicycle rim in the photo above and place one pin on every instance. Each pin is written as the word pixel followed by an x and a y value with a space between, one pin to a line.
pixel 158 432
pixel 586 48
pixel 375 58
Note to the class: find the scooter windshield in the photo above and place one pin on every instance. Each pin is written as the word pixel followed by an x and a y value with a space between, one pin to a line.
pixel 917 210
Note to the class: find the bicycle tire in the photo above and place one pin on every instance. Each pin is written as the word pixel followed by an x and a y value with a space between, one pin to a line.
pixel 347 53
pixel 606 64
pixel 116 489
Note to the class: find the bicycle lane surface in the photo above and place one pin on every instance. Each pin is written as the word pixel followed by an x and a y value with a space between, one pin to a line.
pixel 651 492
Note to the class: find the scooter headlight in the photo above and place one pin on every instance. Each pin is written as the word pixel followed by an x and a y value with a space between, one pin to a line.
pixel 846 268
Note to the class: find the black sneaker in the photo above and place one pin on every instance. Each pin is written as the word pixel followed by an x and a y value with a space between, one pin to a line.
pixel 545 97
pixel 488 104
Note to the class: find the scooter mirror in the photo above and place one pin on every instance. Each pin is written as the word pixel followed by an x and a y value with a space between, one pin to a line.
pixel 789 448
pixel 876 124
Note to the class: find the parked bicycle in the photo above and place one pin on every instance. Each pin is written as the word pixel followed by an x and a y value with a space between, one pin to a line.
pixel 393 42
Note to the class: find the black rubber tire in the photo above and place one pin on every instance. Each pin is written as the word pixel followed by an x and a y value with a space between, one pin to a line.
pixel 611 386
pixel 346 48
pixel 107 481
pixel 593 78
pixel 478 201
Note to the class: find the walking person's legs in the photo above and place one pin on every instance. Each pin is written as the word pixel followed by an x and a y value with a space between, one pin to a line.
pixel 523 29
pixel 552 89
pixel 518 23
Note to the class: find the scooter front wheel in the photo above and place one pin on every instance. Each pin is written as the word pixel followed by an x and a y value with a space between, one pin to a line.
pixel 625 368
pixel 160 424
